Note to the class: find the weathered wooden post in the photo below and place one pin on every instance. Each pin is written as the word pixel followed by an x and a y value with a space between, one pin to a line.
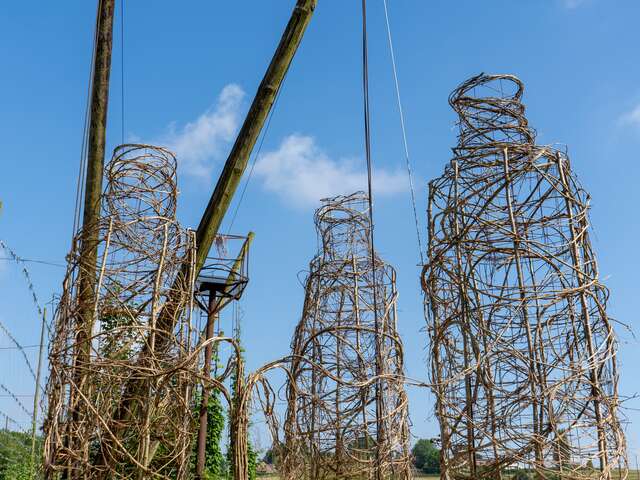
pixel 230 177
pixel 238 158
pixel 36 395
pixel 95 169
pixel 204 401
pixel 93 190
pixel 239 420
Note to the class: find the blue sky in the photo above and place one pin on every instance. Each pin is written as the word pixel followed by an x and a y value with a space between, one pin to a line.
pixel 190 70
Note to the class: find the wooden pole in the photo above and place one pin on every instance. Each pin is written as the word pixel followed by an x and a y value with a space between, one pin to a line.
pixel 204 401
pixel 239 156
pixel 36 396
pixel 230 177
pixel 91 209
pixel 227 184
pixel 93 184
pixel 213 308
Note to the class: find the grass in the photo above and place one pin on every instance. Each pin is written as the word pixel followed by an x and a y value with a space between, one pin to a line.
pixel 633 475
pixel 416 477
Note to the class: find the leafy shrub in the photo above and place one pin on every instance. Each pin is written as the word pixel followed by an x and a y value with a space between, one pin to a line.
pixel 426 456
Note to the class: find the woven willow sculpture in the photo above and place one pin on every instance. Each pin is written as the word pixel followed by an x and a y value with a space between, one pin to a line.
pixel 141 249
pixel 522 350
pixel 347 409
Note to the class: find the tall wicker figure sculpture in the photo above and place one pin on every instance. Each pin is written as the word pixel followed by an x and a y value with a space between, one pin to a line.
pixel 142 249
pixel 347 410
pixel 522 350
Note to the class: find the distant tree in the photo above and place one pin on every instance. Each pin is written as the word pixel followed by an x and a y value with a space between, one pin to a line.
pixel 269 457
pixel 426 456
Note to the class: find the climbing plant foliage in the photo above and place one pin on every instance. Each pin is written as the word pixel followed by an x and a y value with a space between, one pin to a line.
pixel 215 466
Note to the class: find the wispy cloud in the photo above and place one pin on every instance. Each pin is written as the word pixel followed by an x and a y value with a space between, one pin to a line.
pixel 298 171
pixel 199 144
pixel 632 117
pixel 301 173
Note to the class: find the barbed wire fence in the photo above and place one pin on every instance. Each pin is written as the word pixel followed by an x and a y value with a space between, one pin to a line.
pixel 23 366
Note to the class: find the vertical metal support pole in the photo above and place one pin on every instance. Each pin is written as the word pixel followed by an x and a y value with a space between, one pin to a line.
pixel 204 402
pixel 36 396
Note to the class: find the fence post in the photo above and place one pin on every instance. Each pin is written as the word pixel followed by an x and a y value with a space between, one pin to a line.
pixel 36 396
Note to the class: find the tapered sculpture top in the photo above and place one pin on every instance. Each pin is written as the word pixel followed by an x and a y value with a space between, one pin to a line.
pixel 490 112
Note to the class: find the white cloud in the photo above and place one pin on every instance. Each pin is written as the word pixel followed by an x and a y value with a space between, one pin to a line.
pixel 199 143
pixel 632 117
pixel 301 173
